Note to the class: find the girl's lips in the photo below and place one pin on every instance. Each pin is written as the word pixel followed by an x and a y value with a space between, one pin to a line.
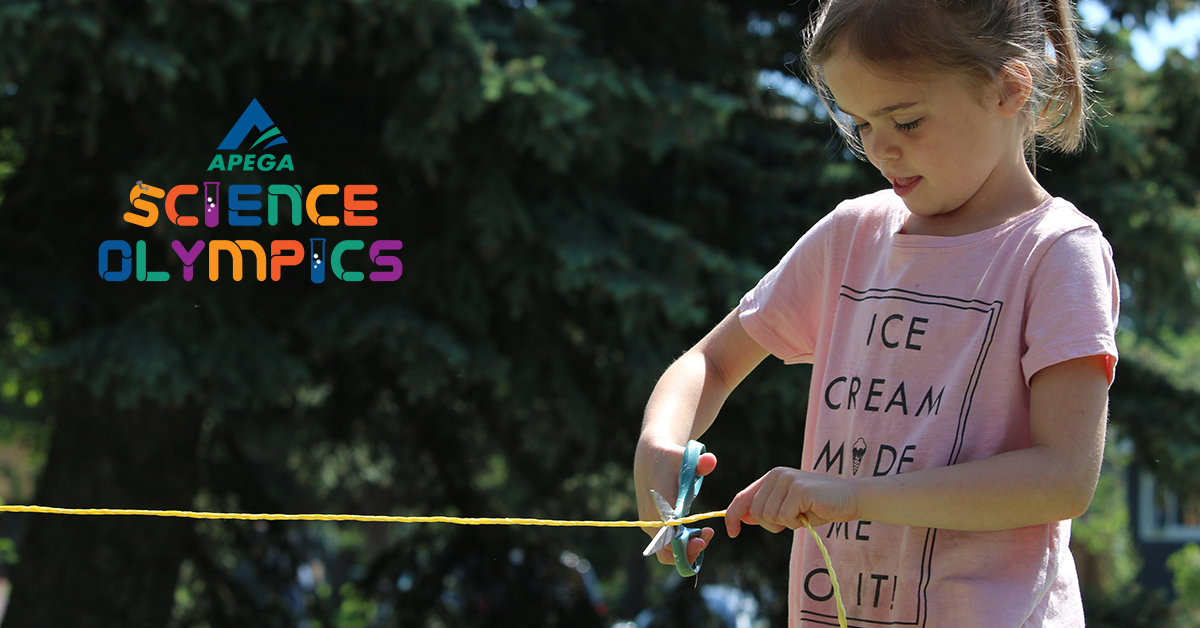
pixel 904 185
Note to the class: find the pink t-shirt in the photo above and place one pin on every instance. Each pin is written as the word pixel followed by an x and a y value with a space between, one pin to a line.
pixel 922 350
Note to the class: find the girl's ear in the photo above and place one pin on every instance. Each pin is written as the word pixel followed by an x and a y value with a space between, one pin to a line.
pixel 1016 84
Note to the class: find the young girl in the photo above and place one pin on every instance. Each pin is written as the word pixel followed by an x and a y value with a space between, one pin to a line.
pixel 960 324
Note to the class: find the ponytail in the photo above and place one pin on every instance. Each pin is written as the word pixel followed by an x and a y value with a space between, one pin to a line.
pixel 1063 119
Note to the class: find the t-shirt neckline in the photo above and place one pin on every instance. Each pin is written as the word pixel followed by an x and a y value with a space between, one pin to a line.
pixel 907 240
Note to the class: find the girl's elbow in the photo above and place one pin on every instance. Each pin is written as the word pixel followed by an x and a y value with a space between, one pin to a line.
pixel 1077 508
pixel 1067 496
pixel 1077 496
pixel 1070 491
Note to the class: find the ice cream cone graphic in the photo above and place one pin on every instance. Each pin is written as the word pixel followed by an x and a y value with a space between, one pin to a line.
pixel 857 451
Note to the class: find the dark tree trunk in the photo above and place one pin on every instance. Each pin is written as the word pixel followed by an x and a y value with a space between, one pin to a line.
pixel 122 569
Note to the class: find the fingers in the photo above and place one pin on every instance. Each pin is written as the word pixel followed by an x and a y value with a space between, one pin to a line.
pixel 774 502
pixel 769 502
pixel 797 509
pixel 706 464
pixel 738 511
pixel 694 547
pixel 786 498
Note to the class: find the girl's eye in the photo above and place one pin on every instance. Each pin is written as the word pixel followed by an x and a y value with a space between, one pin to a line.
pixel 859 127
pixel 908 126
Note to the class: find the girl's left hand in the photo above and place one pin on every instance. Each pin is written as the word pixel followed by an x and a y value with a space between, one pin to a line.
pixel 784 497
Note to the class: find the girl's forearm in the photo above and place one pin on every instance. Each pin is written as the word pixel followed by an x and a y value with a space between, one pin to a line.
pixel 1018 488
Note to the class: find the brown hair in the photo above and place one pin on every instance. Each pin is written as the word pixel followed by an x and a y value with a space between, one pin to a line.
pixel 975 37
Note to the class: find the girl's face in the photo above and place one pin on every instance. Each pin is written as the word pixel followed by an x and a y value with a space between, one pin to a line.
pixel 952 151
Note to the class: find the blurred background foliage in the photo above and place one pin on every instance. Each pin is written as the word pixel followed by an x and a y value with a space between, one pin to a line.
pixel 583 189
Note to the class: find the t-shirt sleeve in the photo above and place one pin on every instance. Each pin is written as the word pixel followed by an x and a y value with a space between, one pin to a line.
pixel 1074 303
pixel 782 312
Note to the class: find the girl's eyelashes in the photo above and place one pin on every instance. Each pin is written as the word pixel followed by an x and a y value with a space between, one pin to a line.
pixel 859 127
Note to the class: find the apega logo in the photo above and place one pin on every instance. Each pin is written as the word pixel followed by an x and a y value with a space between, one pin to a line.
pixel 186 206
pixel 256 118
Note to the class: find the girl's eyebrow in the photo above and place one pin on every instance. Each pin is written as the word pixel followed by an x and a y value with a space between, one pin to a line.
pixel 883 111
pixel 896 107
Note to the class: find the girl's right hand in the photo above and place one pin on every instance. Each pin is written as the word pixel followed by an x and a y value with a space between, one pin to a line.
pixel 656 466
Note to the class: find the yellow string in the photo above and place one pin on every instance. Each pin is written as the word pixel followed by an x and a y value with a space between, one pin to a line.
pixel 837 591
pixel 468 521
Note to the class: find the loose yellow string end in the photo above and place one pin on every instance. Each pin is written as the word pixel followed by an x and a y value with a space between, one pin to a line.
pixel 837 591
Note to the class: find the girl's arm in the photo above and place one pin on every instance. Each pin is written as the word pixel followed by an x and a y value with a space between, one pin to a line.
pixel 1052 480
pixel 684 404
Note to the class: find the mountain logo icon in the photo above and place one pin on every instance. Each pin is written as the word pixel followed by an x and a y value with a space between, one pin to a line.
pixel 254 117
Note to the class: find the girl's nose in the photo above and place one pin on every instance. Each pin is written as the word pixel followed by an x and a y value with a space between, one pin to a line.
pixel 881 146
